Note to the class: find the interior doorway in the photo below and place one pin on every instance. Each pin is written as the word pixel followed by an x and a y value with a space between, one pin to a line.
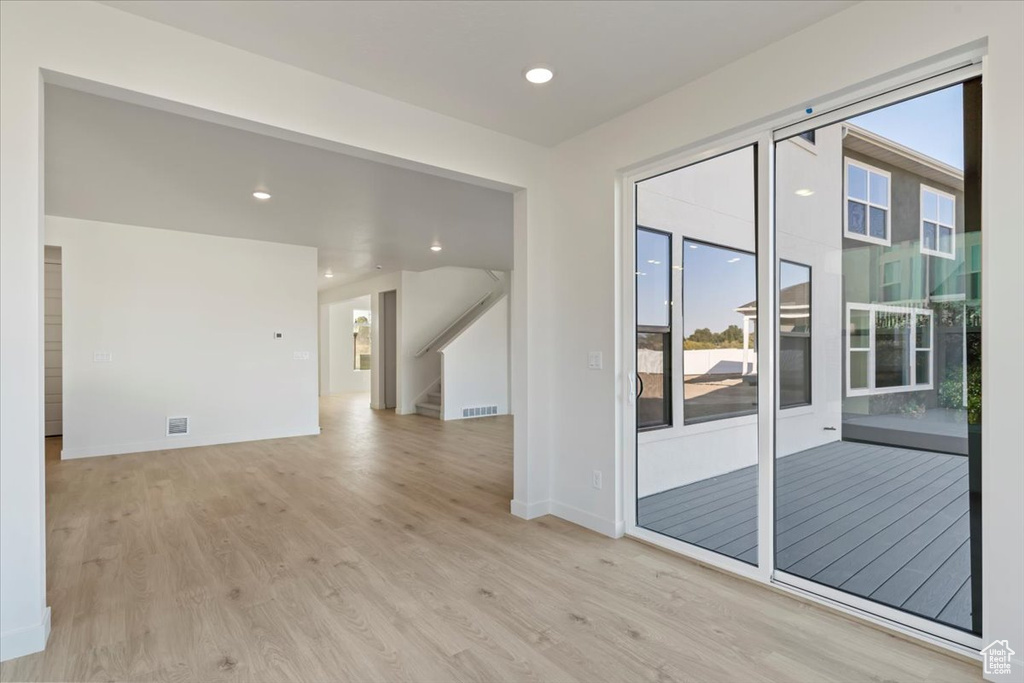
pixel 387 360
pixel 53 345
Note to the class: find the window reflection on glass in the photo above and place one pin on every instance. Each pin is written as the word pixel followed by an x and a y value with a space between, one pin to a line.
pixel 892 358
pixel 719 320
pixel 653 320
pixel 794 334
pixel 652 351
pixel 653 282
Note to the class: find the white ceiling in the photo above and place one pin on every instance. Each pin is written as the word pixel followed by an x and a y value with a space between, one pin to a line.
pixel 108 160
pixel 466 59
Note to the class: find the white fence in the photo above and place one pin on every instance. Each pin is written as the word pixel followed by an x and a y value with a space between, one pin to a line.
pixel 702 362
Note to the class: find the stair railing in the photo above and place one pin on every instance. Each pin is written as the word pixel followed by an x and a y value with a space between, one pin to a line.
pixel 440 335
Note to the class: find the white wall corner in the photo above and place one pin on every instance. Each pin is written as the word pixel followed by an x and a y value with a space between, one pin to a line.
pixel 25 641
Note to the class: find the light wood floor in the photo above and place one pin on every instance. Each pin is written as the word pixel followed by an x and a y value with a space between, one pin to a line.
pixel 384 550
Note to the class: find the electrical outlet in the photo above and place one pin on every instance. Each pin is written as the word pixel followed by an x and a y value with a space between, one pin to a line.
pixel 596 482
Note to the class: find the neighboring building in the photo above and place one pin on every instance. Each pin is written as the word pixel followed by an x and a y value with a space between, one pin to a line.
pixel 913 304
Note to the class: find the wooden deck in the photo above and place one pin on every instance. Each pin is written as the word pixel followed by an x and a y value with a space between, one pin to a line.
pixel 888 524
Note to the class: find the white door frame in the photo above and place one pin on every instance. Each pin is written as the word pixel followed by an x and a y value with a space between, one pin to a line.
pixel 939 74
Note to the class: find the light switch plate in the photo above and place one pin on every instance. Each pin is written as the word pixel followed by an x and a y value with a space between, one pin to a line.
pixel 102 357
pixel 594 360
pixel 301 355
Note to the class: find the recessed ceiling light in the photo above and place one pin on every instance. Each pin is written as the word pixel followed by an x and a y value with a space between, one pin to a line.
pixel 329 273
pixel 260 194
pixel 539 75
pixel 804 192
pixel 436 247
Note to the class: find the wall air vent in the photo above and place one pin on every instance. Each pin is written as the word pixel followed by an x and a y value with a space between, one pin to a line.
pixel 480 412
pixel 177 426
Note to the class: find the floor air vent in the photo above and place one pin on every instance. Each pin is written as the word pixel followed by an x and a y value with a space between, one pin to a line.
pixel 480 412
pixel 177 426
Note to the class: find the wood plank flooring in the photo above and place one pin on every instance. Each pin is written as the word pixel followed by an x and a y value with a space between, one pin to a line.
pixel 888 524
pixel 383 550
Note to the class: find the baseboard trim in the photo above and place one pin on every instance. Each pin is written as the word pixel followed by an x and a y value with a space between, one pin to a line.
pixel 529 510
pixel 25 641
pixel 608 527
pixel 172 443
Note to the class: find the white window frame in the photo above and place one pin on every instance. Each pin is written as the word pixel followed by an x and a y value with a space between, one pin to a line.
pixel 898 282
pixel 867 237
pixel 873 310
pixel 938 224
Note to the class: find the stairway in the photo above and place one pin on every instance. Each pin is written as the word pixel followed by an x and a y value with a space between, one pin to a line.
pixel 431 407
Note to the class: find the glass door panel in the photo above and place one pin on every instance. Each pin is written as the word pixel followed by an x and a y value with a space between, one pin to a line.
pixel 878 370
pixel 696 359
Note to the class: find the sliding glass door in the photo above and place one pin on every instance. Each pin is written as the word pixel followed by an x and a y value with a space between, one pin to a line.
pixel 696 355
pixel 878 373
pixel 832 443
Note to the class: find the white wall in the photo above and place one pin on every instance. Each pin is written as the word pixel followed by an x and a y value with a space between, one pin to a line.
pixel 431 300
pixel 343 377
pixel 474 365
pixel 189 321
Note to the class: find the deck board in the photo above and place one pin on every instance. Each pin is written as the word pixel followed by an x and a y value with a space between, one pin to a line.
pixel 886 523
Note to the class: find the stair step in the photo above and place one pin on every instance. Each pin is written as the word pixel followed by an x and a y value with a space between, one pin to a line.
pixel 435 397
pixel 429 409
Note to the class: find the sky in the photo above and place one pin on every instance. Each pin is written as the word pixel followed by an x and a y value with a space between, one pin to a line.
pixel 931 124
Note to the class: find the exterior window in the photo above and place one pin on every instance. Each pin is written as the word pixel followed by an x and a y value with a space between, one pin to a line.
pixel 361 340
pixel 889 349
pixel 794 335
pixel 653 329
pixel 974 271
pixel 719 320
pixel 892 280
pixel 938 223
pixel 867 203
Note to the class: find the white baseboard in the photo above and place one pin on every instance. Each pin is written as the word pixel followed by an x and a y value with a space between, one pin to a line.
pixel 614 529
pixel 608 527
pixel 173 442
pixel 530 510
pixel 25 641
